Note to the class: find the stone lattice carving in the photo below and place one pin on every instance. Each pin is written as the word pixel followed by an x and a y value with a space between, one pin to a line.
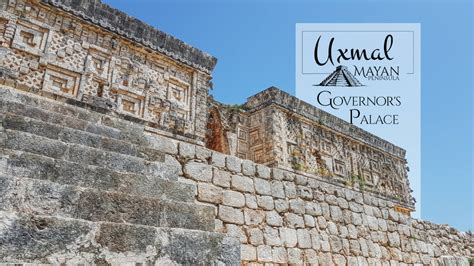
pixel 283 131
pixel 84 180
pixel 54 53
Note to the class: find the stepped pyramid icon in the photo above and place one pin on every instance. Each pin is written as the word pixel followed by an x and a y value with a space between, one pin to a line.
pixel 341 77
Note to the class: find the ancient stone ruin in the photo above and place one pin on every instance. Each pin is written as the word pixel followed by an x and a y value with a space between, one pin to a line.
pixel 113 152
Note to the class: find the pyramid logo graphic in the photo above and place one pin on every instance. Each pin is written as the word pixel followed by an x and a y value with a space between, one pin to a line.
pixel 341 77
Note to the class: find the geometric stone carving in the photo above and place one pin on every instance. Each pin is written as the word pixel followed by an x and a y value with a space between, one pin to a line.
pixel 178 93
pixel 254 136
pixel 293 134
pixel 98 63
pixel 102 65
pixel 129 102
pixel 339 168
pixel 30 38
pixel 158 109
pixel 367 175
pixel 61 81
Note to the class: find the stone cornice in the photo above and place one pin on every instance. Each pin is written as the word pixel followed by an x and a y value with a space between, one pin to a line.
pixel 131 28
pixel 295 105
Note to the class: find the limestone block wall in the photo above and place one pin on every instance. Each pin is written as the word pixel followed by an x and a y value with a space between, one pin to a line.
pixel 279 216
pixel 279 130
pixel 89 54
pixel 283 217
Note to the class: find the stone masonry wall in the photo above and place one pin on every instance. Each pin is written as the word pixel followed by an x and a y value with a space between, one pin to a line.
pixel 279 216
pixel 87 51
pixel 283 217
pixel 280 130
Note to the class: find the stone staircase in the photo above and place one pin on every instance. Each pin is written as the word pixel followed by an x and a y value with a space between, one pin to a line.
pixel 81 186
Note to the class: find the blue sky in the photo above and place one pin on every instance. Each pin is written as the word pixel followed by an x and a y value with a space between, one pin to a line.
pixel 254 42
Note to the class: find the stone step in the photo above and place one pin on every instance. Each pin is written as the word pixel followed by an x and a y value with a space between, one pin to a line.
pixel 43 239
pixel 40 197
pixel 24 164
pixel 71 135
pixel 75 117
pixel 131 131
pixel 163 166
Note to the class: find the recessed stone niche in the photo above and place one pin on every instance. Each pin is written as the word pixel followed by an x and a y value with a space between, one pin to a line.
pixel 61 81
pixel 129 103
pixel 30 38
pixel 98 63
pixel 178 92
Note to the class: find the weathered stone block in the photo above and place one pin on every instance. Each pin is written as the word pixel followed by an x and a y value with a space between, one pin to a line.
pixel 274 219
pixel 353 232
pixel 294 220
pixel 221 178
pixel 31 143
pixel 301 180
pixel 297 206
pixel 290 190
pixel 354 247
pixel 342 203
pixel 281 205
pixel 372 222
pixel 264 253
pixel 255 236
pixel 203 154
pixel 304 238
pixel 248 252
pixel 242 183
pixel 322 223
pixel 271 236
pixel 279 255
pixel 343 232
pixel 234 164
pixel 218 159
pixel 336 244
pixel 187 150
pixel 263 171
pixel 231 215
pixel 393 239
pixel 251 201
pixel 26 124
pixel 265 202
pixel 308 220
pixel 331 200
pixel 198 171
pixel 233 199
pixel 332 228
pixel 162 144
pixel 236 232
pixel 262 186
pixel 169 169
pixel 356 218
pixel 209 193
pixel 313 208
pixel 295 256
pixel 305 192
pixel 277 189
pixel 278 174
pixel 253 217
pixel 325 210
pixel 311 256
pixel 248 168
pixel 336 213
pixel 113 145
pixel 289 237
